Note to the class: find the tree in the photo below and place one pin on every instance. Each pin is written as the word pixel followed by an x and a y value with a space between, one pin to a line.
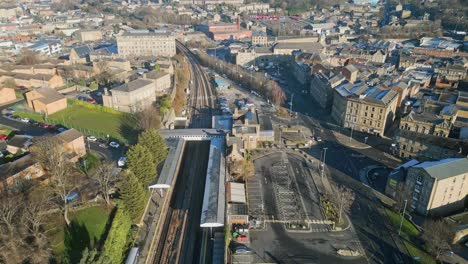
pixel 93 86
pixel 438 235
pixel 152 140
pixel 93 257
pixel 277 94
pixel 140 161
pixel 157 67
pixel 52 155
pixel 103 175
pixel 29 58
pixel 116 240
pixel 346 199
pixel 133 196
pixel 148 118
pixel 242 170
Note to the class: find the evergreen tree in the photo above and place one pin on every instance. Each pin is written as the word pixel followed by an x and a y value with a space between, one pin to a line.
pixel 93 257
pixel 133 196
pixel 116 241
pixel 152 140
pixel 140 161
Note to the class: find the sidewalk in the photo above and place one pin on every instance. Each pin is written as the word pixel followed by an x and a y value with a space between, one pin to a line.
pixel 350 142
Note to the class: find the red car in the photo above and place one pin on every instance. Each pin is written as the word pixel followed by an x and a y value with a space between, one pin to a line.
pixel 43 125
pixel 3 137
pixel 52 127
pixel 91 100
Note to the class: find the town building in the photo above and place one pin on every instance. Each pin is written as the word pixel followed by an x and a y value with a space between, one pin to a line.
pixel 410 144
pixel 131 97
pixel 16 174
pixel 46 100
pixel 259 38
pixel 33 80
pixel 19 144
pixel 89 35
pixel 74 143
pixel 146 44
pixel 46 47
pixel 219 31
pixel 7 95
pixel 436 187
pixel 364 108
pixel 301 72
pixel 322 85
pixel 426 123
pixel 79 55
pixel 161 80
pixel 452 72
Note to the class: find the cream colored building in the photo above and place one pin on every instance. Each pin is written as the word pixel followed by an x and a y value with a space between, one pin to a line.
pixel 161 80
pixel 74 143
pixel 364 108
pixel 437 187
pixel 146 44
pixel 7 95
pixel 131 97
pixel 46 100
pixel 426 123
pixel 89 35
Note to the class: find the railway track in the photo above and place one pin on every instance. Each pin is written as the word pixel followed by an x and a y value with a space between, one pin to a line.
pixel 177 239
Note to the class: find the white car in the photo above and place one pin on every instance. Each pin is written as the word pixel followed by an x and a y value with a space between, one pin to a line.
pixel 122 161
pixel 318 139
pixel 114 144
pixel 92 138
pixel 25 120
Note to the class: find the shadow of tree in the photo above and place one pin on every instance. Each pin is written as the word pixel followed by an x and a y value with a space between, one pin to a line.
pixel 76 240
pixel 129 128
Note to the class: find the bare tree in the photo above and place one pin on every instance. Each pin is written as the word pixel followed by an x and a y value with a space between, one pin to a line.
pixel 149 118
pixel 52 155
pixel 242 169
pixel 29 58
pixel 438 235
pixel 346 199
pixel 103 175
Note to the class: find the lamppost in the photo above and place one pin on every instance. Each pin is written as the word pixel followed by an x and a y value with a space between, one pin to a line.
pixel 351 135
pixel 323 163
pixel 402 217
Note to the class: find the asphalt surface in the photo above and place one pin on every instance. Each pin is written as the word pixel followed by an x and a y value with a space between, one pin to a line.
pixel 343 164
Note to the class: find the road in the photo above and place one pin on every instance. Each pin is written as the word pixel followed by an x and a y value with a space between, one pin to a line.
pixel 344 163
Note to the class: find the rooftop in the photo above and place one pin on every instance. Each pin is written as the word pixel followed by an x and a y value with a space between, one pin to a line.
pixel 48 95
pixel 445 168
pixel 133 85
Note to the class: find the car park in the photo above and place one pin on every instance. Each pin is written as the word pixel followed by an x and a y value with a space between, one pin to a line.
pixel 114 144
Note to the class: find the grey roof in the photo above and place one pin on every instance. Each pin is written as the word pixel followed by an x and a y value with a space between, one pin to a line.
pixel 49 95
pixel 69 135
pixel 133 85
pixel 153 75
pixel 82 51
pixel 445 168
pixel 305 47
pixel 172 162
pixel 214 197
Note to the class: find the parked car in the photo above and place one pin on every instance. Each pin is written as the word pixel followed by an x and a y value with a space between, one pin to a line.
pixel 25 120
pixel 16 117
pixel 114 144
pixel 241 249
pixel 10 109
pixel 33 122
pixel 92 138
pixel 9 115
pixel 318 139
pixel 91 100
pixel 3 137
pixel 52 127
pixel 122 161
pixel 43 125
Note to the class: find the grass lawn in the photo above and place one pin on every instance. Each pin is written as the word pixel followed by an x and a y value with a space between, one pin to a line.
pixel 86 230
pixel 5 130
pixel 90 121
pixel 410 236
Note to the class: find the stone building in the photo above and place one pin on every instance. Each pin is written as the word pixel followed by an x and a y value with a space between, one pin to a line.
pixel 322 85
pixel 131 97
pixel 259 38
pixel 426 123
pixel 7 95
pixel 46 100
pixel 89 35
pixel 146 44
pixel 410 144
pixel 437 187
pixel 364 108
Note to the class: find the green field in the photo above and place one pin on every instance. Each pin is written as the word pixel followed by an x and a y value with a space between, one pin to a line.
pixel 410 237
pixel 86 230
pixel 91 120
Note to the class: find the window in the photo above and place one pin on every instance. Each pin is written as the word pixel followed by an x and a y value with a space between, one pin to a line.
pixel 364 122
pixel 365 114
pixel 367 107
pixel 372 115
pixel 381 110
pixel 373 109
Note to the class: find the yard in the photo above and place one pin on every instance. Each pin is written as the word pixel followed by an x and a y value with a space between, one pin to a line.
pixel 90 120
pixel 86 230
pixel 410 236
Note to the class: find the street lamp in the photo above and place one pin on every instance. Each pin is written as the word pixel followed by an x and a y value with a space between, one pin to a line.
pixel 323 163
pixel 402 217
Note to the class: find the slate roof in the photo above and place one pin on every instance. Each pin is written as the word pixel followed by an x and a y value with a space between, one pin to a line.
pixel 133 85
pixel 445 168
pixel 82 51
pixel 49 95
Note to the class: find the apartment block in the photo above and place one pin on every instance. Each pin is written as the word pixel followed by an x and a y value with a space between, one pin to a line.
pixel 437 187
pixel 131 97
pixel 426 123
pixel 322 85
pixel 146 44
pixel 364 108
